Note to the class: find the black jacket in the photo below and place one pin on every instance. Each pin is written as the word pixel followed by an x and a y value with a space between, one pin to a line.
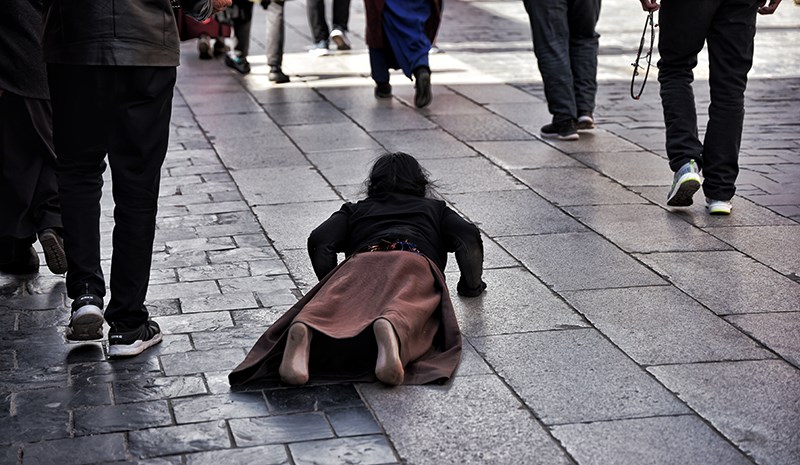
pixel 115 32
pixel 22 69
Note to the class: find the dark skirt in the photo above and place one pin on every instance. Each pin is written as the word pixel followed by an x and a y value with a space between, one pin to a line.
pixel 403 287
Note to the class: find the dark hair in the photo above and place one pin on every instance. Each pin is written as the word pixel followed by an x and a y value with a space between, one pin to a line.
pixel 397 172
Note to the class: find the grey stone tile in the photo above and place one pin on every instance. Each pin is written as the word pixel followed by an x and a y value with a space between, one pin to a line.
pixel 529 117
pixel 460 175
pixel 446 103
pixel 629 168
pixel 471 363
pixel 298 113
pixel 218 207
pixel 576 186
pixel 200 243
pixel 179 439
pixel 353 421
pixel 362 450
pixel 242 254
pixel 571 261
pixel 222 103
pixel 778 331
pixel 522 154
pixel 678 440
pixel 259 318
pixel 269 267
pixel 183 289
pixel 474 419
pixel 300 266
pixel 119 370
pixel 483 94
pixel 595 141
pixel 46 425
pixel 420 143
pixel 727 282
pixel 325 137
pixel 101 448
pixel 341 168
pixel 259 152
pixel 211 272
pixel 201 361
pixel 10 455
pixel 312 398
pixel 120 418
pixel 770 245
pixel 504 309
pixel 289 225
pixel 158 387
pixel 285 185
pixel 280 429
pixel 209 321
pixel 283 94
pixel 262 455
pixel 645 228
pixel 214 407
pixel 275 289
pixel 386 118
pixel 241 336
pixel 753 403
pixel 575 376
pixel 31 403
pixel 480 127
pixel 661 325
pixel 513 212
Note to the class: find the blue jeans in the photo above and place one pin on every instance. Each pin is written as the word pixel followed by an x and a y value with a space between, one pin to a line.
pixel 729 27
pixel 565 43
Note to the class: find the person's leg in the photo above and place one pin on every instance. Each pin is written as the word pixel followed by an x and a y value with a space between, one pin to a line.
pixel 388 366
pixel 379 70
pixel 341 14
pixel 294 364
pixel 730 51
pixel 404 30
pixel 683 25
pixel 142 108
pixel 80 131
pixel 276 32
pixel 551 45
pixel 315 10
pixel 583 46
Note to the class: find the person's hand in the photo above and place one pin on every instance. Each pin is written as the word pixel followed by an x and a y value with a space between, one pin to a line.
pixel 652 5
pixel 220 5
pixel 768 9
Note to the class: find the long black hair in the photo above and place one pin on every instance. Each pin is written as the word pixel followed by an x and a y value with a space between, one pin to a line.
pixel 400 173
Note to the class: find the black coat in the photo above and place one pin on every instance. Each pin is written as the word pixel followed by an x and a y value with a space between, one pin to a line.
pixel 22 68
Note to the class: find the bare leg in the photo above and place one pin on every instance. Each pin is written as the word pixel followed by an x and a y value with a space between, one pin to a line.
pixel 294 365
pixel 388 367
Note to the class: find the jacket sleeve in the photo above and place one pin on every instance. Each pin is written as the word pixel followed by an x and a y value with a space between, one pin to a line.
pixel 197 9
pixel 464 239
pixel 325 241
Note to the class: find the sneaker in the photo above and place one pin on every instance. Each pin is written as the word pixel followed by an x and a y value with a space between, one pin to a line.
pixel 718 207
pixel 23 260
pixel 563 130
pixel 585 122
pixel 422 87
pixel 53 246
pixel 383 90
pixel 319 49
pixel 277 75
pixel 685 183
pixel 239 63
pixel 127 343
pixel 86 322
pixel 204 47
pixel 339 38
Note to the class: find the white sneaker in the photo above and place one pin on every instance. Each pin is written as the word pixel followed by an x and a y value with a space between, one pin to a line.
pixel 339 38
pixel 685 183
pixel 719 207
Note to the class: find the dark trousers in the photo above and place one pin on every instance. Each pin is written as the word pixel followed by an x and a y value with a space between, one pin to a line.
pixel 275 33
pixel 123 112
pixel 317 21
pixel 242 24
pixel 728 27
pixel 28 190
pixel 565 43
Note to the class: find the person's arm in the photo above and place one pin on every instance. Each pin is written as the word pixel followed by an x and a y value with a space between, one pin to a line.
pixel 203 9
pixel 325 241
pixel 464 239
pixel 768 9
pixel 650 5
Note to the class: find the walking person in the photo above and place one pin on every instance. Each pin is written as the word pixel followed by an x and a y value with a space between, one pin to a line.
pixel 729 28
pixel 111 87
pixel 565 43
pixel 29 205
pixel 323 35
pixel 399 36
pixel 385 312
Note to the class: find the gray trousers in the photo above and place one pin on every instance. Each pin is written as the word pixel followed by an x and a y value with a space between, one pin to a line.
pixel 565 43
pixel 275 32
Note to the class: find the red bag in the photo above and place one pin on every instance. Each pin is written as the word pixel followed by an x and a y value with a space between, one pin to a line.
pixel 189 28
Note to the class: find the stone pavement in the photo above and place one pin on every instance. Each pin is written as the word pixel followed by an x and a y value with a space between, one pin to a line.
pixel 613 331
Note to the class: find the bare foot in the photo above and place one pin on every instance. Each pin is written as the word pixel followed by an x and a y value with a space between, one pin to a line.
pixel 388 368
pixel 294 365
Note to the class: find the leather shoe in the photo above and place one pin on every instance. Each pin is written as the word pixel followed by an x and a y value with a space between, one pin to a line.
pixel 422 87
pixel 277 75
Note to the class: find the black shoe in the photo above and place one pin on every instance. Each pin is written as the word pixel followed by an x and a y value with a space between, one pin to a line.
pixel 277 76
pixel 383 90
pixel 204 47
pixel 127 343
pixel 422 87
pixel 585 121
pixel 236 62
pixel 563 130
pixel 86 321
pixel 22 259
pixel 219 47
pixel 53 246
